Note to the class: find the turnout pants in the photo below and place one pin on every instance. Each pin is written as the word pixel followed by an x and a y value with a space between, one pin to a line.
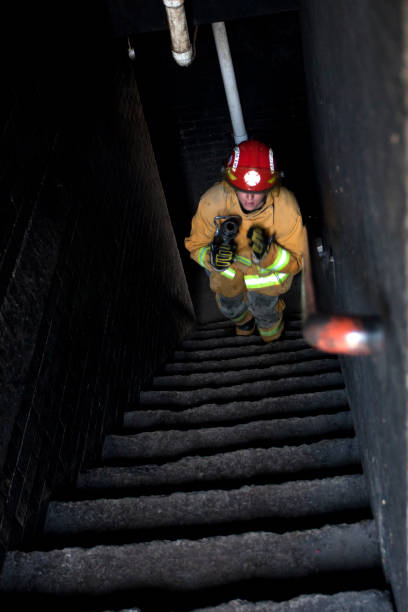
pixel 240 305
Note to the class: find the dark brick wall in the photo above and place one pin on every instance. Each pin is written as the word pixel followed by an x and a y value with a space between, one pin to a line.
pixel 355 60
pixel 88 258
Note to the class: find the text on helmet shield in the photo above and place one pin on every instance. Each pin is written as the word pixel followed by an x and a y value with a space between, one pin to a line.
pixel 271 161
pixel 236 158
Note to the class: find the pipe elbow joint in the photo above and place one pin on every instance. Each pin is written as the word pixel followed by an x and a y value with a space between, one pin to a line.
pixel 182 49
pixel 183 58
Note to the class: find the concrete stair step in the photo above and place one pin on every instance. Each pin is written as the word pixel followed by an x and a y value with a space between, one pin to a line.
pixel 240 363
pixel 237 411
pixel 236 376
pixel 239 465
pixel 251 390
pixel 223 323
pixel 247 350
pixel 211 343
pixel 214 324
pixel 372 600
pixel 229 330
pixel 172 443
pixel 193 564
pixel 289 500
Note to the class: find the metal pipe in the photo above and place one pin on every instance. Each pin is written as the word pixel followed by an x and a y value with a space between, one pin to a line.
pixel 230 85
pixel 182 49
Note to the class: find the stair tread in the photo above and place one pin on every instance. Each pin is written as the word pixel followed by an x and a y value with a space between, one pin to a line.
pixel 252 389
pixel 240 351
pixel 288 500
pixel 229 330
pixel 224 365
pixel 372 600
pixel 233 411
pixel 223 322
pixel 234 340
pixel 193 564
pixel 215 324
pixel 174 442
pixel 241 376
pixel 238 464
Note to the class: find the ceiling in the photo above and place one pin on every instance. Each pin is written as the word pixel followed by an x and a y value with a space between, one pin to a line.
pixel 133 16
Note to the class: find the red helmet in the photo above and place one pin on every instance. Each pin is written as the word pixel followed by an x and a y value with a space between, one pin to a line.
pixel 251 167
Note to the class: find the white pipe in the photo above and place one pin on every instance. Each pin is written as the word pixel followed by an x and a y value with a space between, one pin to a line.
pixel 230 85
pixel 182 49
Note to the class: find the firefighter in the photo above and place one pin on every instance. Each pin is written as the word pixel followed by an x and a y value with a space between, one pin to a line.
pixel 250 272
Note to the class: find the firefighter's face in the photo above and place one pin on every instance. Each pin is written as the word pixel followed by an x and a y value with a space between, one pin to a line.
pixel 251 200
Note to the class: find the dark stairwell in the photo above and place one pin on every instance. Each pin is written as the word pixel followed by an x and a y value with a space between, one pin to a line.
pixel 249 489
pixel 147 453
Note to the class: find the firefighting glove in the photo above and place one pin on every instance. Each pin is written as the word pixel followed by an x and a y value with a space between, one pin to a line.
pixel 258 241
pixel 222 255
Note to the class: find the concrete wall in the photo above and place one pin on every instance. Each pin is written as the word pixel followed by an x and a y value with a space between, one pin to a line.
pixel 354 64
pixel 89 258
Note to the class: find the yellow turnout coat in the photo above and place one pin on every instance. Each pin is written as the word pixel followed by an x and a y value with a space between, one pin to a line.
pixel 280 217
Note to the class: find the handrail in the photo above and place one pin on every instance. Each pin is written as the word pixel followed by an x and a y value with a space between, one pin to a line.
pixel 336 333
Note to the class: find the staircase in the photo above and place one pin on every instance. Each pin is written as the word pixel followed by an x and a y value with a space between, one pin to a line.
pixel 235 486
